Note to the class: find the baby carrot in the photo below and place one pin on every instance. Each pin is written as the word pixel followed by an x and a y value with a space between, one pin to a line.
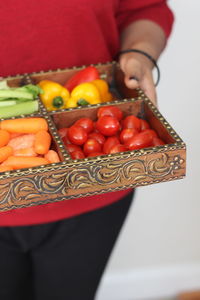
pixel 5 168
pixel 19 162
pixel 15 134
pixel 4 137
pixel 24 125
pixel 5 152
pixel 22 141
pixel 25 152
pixel 42 142
pixel 52 156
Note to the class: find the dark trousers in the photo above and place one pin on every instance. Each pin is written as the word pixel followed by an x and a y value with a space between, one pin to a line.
pixel 62 260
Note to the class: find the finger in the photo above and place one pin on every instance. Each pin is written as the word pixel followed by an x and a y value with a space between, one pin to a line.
pixel 147 85
pixel 131 82
pixel 131 68
pixel 138 76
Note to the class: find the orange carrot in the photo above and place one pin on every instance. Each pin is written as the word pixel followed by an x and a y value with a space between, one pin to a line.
pixel 5 168
pixel 24 125
pixel 5 152
pixel 25 152
pixel 52 156
pixel 22 141
pixel 15 134
pixel 18 162
pixel 4 137
pixel 42 142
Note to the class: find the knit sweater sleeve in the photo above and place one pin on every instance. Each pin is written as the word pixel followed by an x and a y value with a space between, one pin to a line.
pixel 157 11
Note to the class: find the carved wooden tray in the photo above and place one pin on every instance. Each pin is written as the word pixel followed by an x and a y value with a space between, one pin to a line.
pixel 85 177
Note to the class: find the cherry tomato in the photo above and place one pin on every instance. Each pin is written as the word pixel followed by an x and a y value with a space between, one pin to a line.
pixel 95 127
pixel 108 125
pixel 95 154
pixel 144 125
pixel 90 146
pixel 141 140
pixel 97 136
pixel 126 134
pixel 109 143
pixel 62 132
pixel 66 140
pixel 71 148
pixel 78 154
pixel 118 148
pixel 132 122
pixel 77 135
pixel 112 111
pixel 86 123
pixel 151 132
pixel 157 142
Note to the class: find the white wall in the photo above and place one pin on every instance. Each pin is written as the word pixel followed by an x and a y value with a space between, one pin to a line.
pixel 161 237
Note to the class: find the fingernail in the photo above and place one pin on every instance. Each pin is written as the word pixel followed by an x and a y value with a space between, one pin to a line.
pixel 134 78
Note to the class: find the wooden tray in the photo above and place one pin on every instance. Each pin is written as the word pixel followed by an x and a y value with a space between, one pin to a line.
pixel 95 175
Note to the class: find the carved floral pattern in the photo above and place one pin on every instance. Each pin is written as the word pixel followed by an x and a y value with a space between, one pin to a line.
pixel 105 175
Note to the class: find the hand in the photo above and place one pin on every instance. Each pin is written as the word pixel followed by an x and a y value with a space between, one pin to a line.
pixel 138 73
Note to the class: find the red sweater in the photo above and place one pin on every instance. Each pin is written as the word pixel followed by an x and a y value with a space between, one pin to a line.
pixel 58 34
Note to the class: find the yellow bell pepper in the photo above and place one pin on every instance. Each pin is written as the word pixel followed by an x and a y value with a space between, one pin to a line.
pixel 54 95
pixel 71 102
pixel 103 88
pixel 108 97
pixel 86 93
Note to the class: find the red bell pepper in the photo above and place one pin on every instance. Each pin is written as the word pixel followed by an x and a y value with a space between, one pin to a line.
pixel 86 75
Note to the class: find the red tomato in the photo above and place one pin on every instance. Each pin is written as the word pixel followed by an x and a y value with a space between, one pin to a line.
pixel 109 143
pixel 97 136
pixel 86 123
pixel 141 140
pixel 144 125
pixel 77 135
pixel 112 111
pixel 132 122
pixel 157 142
pixel 118 148
pixel 78 154
pixel 95 154
pixel 66 140
pixel 90 146
pixel 151 132
pixel 95 127
pixel 71 148
pixel 107 125
pixel 62 132
pixel 85 75
pixel 126 134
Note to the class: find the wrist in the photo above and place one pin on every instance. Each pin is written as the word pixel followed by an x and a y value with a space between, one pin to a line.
pixel 146 57
pixel 126 57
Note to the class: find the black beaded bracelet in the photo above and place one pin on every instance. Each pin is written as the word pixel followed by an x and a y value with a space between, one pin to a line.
pixel 145 54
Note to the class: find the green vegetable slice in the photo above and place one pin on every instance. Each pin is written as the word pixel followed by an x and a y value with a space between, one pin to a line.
pixel 23 108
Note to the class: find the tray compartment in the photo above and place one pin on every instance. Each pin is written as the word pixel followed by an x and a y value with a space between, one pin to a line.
pixel 56 143
pixel 109 72
pixel 19 81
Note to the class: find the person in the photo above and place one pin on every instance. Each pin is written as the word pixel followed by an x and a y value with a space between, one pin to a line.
pixel 60 250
